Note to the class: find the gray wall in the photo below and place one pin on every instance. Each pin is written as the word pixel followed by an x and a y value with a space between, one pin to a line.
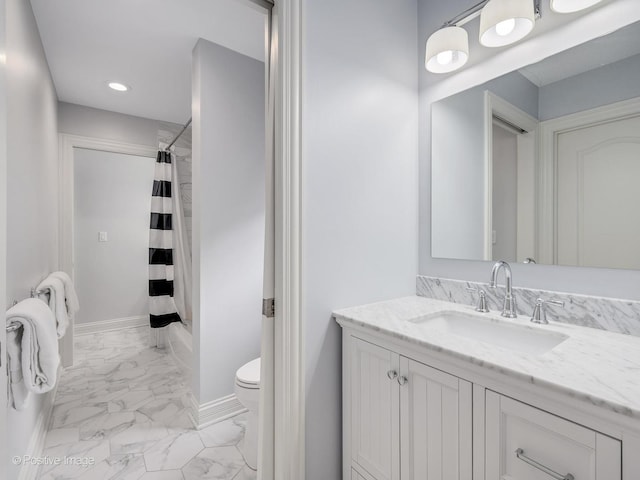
pixel 93 122
pixel 228 215
pixel 609 84
pixel 112 193
pixel 32 174
pixel 359 187
pixel 605 282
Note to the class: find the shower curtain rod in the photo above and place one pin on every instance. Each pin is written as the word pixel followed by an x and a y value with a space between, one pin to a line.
pixel 186 125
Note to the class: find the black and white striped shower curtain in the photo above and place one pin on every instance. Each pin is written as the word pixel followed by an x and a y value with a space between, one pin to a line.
pixel 162 307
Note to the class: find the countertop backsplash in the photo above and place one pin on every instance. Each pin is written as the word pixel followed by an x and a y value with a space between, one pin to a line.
pixel 614 315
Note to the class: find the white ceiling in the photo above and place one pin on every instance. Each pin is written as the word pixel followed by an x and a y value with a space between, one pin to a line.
pixel 146 44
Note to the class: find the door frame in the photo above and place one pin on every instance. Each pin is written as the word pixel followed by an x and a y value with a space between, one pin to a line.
pixel 547 191
pixel 495 105
pixel 289 428
pixel 288 462
pixel 66 144
pixel 289 420
pixel 4 436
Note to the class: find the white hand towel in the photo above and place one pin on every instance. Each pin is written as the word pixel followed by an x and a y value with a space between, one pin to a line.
pixel 55 288
pixel 32 350
pixel 71 297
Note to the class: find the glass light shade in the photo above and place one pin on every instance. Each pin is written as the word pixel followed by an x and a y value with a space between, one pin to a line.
pixel 503 22
pixel 447 50
pixel 570 6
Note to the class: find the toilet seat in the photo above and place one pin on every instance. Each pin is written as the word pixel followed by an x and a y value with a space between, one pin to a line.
pixel 248 376
pixel 248 386
pixel 247 390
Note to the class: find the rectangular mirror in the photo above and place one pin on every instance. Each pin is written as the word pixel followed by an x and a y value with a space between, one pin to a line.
pixel 543 164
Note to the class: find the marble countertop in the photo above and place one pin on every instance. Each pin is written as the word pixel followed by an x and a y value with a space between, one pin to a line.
pixel 596 366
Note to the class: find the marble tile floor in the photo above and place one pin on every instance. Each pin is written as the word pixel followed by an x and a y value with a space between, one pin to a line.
pixel 120 413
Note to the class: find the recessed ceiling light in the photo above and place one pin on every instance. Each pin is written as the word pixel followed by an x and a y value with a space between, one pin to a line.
pixel 118 87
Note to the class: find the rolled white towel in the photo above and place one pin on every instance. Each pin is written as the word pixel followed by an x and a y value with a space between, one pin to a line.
pixel 71 297
pixel 55 288
pixel 32 351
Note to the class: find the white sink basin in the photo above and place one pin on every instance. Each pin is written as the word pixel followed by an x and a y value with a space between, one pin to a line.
pixel 501 333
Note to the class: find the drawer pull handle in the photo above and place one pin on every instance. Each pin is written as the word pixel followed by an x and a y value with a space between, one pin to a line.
pixel 520 454
pixel 392 374
pixel 403 380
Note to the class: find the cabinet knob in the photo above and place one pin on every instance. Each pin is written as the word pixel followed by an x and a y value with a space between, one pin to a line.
pixel 403 380
pixel 392 374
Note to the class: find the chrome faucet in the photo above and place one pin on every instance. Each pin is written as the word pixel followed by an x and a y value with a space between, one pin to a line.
pixel 509 307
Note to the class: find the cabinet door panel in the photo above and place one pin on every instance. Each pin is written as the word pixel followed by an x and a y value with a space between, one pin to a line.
pixel 374 410
pixel 435 424
pixel 557 444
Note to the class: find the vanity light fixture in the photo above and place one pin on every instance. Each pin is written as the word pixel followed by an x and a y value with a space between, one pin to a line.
pixel 570 6
pixel 447 50
pixel 118 87
pixel 503 22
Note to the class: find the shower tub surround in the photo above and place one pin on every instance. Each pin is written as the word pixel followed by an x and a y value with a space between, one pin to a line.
pixel 613 315
pixel 182 152
pixel 180 334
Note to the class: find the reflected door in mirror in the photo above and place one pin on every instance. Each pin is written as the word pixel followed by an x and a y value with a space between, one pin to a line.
pixel 598 188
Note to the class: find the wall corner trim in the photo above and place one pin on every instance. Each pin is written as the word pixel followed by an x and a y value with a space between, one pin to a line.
pixel 203 415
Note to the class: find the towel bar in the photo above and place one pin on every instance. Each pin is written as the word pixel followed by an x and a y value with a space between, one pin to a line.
pixel 12 327
pixel 35 292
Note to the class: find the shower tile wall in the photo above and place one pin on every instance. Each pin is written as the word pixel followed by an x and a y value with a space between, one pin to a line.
pixel 183 157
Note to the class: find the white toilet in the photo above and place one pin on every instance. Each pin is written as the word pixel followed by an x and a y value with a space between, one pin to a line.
pixel 247 391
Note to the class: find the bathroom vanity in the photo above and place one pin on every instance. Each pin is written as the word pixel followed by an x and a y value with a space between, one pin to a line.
pixel 434 390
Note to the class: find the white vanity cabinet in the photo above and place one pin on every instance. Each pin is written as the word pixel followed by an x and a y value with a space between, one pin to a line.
pixel 374 406
pixel 407 420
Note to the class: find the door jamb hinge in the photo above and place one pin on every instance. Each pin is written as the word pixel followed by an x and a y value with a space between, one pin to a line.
pixel 269 307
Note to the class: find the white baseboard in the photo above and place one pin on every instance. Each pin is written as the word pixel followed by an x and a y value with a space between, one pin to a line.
pixel 215 411
pixel 29 471
pixel 109 325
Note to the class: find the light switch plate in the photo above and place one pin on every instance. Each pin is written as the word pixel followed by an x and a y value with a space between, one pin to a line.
pixel 103 237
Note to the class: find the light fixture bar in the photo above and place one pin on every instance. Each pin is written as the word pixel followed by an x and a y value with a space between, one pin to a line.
pixel 466 16
pixel 474 12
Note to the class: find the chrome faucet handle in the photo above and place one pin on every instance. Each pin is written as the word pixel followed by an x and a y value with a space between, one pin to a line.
pixel 539 314
pixel 482 299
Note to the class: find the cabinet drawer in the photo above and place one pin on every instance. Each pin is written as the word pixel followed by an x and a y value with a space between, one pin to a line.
pixel 523 441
